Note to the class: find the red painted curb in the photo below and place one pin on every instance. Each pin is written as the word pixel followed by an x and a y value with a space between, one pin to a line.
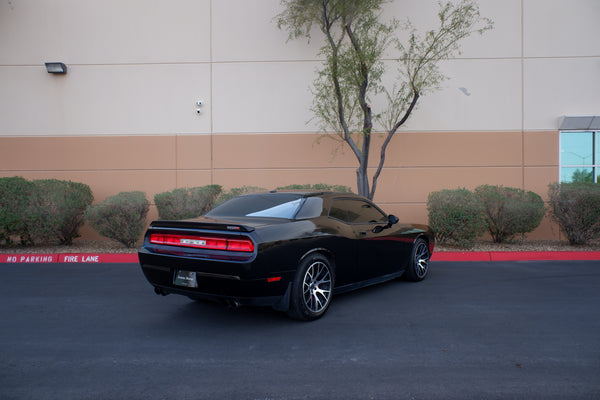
pixel 545 255
pixel 28 258
pixel 515 255
pixel 69 258
pixel 463 256
pixel 99 258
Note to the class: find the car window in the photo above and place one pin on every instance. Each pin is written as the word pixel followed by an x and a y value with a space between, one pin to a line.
pixel 271 205
pixel 355 211
pixel 285 210
pixel 312 208
pixel 338 210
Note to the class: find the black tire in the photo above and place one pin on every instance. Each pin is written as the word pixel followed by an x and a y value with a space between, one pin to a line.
pixel 418 265
pixel 312 289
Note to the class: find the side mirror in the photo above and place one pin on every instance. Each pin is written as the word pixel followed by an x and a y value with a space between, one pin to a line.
pixel 392 219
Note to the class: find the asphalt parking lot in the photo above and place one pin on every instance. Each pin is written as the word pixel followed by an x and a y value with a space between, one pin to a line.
pixel 474 330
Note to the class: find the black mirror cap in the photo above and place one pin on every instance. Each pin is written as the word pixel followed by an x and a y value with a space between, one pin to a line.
pixel 392 219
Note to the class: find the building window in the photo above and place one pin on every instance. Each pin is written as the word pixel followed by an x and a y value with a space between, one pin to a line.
pixel 579 156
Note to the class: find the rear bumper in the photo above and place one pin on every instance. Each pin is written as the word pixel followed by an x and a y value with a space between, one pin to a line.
pixel 281 303
pixel 221 281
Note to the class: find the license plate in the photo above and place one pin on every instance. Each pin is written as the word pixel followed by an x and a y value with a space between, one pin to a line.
pixel 185 278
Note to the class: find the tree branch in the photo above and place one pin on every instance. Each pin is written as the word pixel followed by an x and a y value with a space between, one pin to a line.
pixel 362 179
pixel 387 140
pixel 326 29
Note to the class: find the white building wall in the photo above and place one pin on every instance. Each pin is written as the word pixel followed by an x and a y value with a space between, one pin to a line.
pixel 139 66
pixel 134 67
pixel 562 61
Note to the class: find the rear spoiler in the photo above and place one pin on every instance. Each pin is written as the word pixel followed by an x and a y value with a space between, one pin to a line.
pixel 213 226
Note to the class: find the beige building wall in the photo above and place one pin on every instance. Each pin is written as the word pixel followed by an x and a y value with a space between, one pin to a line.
pixel 125 116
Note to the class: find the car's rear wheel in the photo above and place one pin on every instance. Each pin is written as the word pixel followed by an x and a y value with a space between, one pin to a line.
pixel 419 261
pixel 313 288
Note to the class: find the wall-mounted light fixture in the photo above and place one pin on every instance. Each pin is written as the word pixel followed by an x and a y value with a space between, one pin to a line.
pixel 56 68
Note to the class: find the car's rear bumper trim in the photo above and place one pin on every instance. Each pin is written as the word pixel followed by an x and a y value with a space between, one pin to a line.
pixel 218 276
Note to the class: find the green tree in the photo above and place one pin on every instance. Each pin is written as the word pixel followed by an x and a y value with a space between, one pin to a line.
pixel 350 79
pixel 581 175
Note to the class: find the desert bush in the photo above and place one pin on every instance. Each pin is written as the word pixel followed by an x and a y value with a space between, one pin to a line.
pixel 317 186
pixel 15 193
pixel 55 210
pixel 576 208
pixel 234 192
pixel 121 217
pixel 510 211
pixel 456 216
pixel 184 203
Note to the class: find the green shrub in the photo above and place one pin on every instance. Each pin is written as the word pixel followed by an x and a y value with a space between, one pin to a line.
pixel 510 211
pixel 55 210
pixel 184 203
pixel 318 186
pixel 456 216
pixel 234 192
pixel 121 217
pixel 576 208
pixel 15 193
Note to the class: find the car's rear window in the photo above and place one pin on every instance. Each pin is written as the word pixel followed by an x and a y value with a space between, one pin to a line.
pixel 270 205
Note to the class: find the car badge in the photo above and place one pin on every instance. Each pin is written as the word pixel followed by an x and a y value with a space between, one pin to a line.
pixel 193 241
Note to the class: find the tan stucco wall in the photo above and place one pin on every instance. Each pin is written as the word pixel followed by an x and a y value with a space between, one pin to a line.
pixel 416 164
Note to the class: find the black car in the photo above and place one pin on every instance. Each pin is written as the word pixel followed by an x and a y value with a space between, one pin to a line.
pixel 288 250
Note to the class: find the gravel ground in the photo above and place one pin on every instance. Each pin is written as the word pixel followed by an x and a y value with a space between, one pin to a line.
pixel 108 246
pixel 527 245
pixel 78 246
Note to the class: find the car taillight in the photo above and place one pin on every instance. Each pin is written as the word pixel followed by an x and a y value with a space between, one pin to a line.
pixel 201 242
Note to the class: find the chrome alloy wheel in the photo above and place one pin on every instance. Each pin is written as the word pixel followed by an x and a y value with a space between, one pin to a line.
pixel 316 287
pixel 421 261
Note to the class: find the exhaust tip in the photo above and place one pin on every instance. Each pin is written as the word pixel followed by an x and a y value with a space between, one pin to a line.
pixel 160 292
pixel 232 303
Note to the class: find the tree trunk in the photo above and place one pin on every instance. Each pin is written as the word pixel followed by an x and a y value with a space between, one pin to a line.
pixel 362 173
pixel 362 180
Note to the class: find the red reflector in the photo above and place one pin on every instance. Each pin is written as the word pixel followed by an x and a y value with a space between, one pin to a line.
pixel 274 279
pixel 201 242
